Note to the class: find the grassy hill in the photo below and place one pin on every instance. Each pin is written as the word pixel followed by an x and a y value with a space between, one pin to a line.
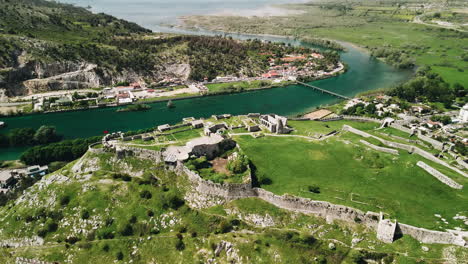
pixel 103 209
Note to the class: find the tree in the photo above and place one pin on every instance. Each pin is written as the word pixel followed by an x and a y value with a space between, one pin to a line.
pixel 21 137
pixel 46 134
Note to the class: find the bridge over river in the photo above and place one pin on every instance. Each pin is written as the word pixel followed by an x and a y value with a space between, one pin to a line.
pixel 324 91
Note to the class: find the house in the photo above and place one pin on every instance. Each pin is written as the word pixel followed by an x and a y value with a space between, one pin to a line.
pixel 275 123
pixel 197 124
pixel 213 129
pixel 7 179
pixel 463 116
pixel 163 128
pixel 36 171
pixel 136 85
pixel 432 124
pixel 64 101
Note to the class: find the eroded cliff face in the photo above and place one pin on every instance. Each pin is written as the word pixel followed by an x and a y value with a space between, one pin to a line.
pixel 33 76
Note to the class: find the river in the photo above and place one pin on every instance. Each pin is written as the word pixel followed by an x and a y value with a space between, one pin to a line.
pixel 365 73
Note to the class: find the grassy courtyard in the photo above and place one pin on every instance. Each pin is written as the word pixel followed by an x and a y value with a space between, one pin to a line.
pixel 350 174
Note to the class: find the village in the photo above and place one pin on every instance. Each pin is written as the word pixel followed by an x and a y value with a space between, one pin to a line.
pixel 280 71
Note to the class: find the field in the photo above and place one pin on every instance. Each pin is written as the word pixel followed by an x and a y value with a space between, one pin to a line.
pixel 367 24
pixel 350 174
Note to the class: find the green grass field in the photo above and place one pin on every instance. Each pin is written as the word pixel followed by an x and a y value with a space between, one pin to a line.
pixel 369 25
pixel 350 174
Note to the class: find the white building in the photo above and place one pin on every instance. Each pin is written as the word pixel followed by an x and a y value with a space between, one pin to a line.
pixel 463 116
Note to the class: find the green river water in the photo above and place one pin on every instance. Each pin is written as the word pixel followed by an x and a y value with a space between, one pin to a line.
pixel 365 73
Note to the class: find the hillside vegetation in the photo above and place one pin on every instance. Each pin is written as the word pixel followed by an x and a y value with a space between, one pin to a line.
pixel 101 209
pixel 46 46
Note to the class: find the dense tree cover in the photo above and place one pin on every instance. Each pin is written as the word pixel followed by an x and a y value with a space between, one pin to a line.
pixel 29 137
pixel 396 57
pixel 443 119
pixel 67 150
pixel 425 86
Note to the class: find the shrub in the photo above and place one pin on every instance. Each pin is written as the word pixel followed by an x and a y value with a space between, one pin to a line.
pixel 149 213
pixel 72 240
pixel 42 232
pixel 146 194
pixel 179 245
pixel 64 200
pixel 84 214
pixel 126 230
pixel 105 248
pixel 51 226
pixel 313 188
pixel 119 255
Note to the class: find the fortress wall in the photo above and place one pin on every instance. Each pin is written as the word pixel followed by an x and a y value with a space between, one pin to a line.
pixel 402 128
pixel 436 144
pixel 147 154
pixel 326 210
pixel 431 236
pixel 323 209
pixel 408 148
pixel 361 118
pixel 441 177
pixel 96 150
pixel 381 149
pixel 461 162
pixel 228 191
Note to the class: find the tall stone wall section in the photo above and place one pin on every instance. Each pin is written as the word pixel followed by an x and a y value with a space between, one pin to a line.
pixel 139 152
pixel 322 209
pixel 436 144
pixel 402 128
pixel 438 175
pixel 228 191
pixel 431 236
pixel 381 149
pixel 409 148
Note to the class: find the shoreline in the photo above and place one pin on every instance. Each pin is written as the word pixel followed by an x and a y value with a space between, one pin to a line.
pixel 172 99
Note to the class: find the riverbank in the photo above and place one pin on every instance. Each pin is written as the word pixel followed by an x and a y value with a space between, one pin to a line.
pixel 407 43
pixel 363 74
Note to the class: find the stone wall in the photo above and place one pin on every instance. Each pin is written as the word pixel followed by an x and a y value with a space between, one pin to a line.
pixel 147 154
pixel 436 144
pixel 323 209
pixel 228 191
pixel 92 148
pixel 431 236
pixel 361 118
pixel 409 148
pixel 441 177
pixel 381 149
pixel 402 128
